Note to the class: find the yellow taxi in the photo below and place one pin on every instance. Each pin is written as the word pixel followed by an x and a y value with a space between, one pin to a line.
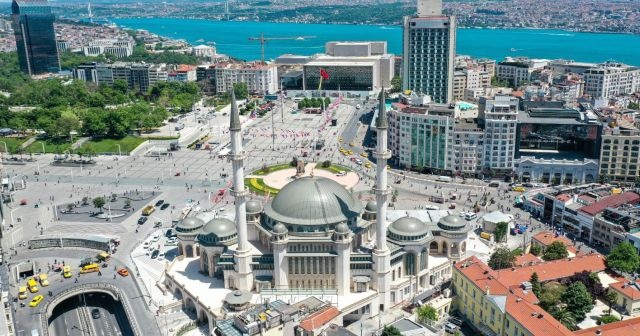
pixel 36 301
pixel 66 272
pixel 350 152
pixel 341 139
pixel 351 144
pixel 22 293
pixel 519 189
pixel 364 154
pixel 44 280
pixel 367 165
pixel 33 285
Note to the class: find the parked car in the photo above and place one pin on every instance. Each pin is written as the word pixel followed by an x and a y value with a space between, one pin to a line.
pixel 159 203
pixel 450 328
pixel 123 272
pixel 164 206
pixel 142 220
pixel 155 254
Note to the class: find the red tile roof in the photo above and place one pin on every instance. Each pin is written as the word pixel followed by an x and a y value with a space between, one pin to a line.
pixel 319 318
pixel 547 237
pixel 631 291
pixel 611 201
pixel 534 319
pixel 481 275
pixel 527 259
pixel 621 328
pixel 552 270
pixel 563 197
pixel 587 199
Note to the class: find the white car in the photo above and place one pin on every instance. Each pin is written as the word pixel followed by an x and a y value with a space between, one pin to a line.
pixel 155 238
pixel 146 245
pixel 341 173
pixel 358 161
pixel 358 106
pixel 470 216
pixel 161 256
pixel 431 207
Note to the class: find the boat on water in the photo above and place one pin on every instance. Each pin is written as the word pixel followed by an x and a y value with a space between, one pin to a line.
pixel 299 38
pixel 514 49
pixel 200 40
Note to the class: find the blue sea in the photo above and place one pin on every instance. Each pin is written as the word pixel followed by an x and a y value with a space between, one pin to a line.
pixel 232 38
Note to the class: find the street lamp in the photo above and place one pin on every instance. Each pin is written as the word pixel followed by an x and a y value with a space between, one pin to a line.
pixel 119 150
pixel 42 143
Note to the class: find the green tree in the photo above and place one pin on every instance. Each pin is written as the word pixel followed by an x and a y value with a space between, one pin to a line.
pixel 550 295
pixel 390 331
pixel 396 84
pixel 607 319
pixel 501 231
pixel 577 300
pixel 501 258
pixel 557 250
pixel 610 297
pixel 98 202
pixel 623 258
pixel 535 249
pixel 564 316
pixel 241 90
pixel 326 164
pixel 427 314
pixel 634 105
pixel 536 286
pixel 327 101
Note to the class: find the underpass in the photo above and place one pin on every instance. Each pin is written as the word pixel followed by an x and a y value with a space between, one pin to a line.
pixel 89 314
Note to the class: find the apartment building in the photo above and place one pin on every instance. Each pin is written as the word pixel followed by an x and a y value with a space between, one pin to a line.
pixel 500 123
pixel 220 77
pixel 117 47
pixel 613 224
pixel 611 79
pixel 141 76
pixel 469 79
pixel 467 148
pixel 619 155
pixel 518 71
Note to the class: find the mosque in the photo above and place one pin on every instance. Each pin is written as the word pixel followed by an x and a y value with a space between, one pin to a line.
pixel 315 235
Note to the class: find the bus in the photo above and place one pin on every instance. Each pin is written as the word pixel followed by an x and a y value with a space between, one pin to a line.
pixel 90 268
pixel 443 179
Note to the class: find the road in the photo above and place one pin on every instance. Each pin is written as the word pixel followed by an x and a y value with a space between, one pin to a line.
pixel 74 316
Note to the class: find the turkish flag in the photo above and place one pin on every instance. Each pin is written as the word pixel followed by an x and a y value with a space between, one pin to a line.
pixel 324 74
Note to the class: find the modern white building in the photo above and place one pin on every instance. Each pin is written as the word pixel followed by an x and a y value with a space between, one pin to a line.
pixel 260 78
pixel 315 238
pixel 352 67
pixel 429 48
pixel 611 79
pixel 203 51
pixel 117 47
pixel 500 116
pixel 467 148
pixel 518 70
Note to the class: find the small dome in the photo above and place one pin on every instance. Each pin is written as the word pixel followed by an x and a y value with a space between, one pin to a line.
pixel 408 226
pixel 342 228
pixel 372 206
pixel 280 229
pixel 452 223
pixel 189 224
pixel 217 230
pixel 254 207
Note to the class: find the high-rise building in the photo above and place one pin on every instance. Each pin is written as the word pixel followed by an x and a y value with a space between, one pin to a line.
pixel 35 37
pixel 429 47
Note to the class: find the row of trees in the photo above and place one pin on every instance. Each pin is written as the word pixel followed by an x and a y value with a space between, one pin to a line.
pixel 502 257
pixel 314 103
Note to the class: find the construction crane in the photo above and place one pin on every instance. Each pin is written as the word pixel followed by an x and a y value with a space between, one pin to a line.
pixel 263 40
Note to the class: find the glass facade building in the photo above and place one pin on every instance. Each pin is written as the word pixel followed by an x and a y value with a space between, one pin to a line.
pixel 428 55
pixel 345 78
pixel 35 37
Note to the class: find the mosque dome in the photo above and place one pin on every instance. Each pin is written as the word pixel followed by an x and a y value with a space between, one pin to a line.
pixel 408 228
pixel 342 228
pixel 372 206
pixel 452 223
pixel 254 207
pixel 189 225
pixel 218 231
pixel 313 201
pixel 280 229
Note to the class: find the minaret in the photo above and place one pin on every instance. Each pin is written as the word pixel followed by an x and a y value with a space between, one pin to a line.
pixel 244 281
pixel 381 254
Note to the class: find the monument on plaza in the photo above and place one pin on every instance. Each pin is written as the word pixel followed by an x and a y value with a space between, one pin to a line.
pixel 299 168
